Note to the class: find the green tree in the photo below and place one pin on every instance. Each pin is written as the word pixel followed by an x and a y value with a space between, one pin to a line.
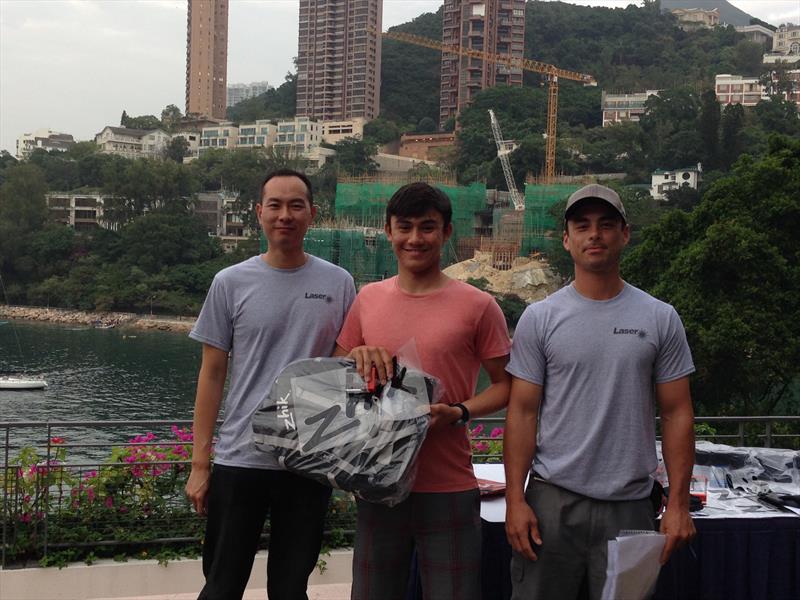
pixel 778 115
pixel 381 131
pixel 23 212
pixel 684 198
pixel 275 103
pixel 410 75
pixel 669 127
pixel 170 117
pixel 710 116
pixel 354 156
pixel 426 125
pixel 142 122
pixel 158 240
pixel 177 149
pixel 732 123
pixel 730 267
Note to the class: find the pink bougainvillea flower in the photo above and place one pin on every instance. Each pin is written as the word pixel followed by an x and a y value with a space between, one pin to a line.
pixel 477 430
pixel 481 446
pixel 497 432
pixel 109 502
pixel 89 475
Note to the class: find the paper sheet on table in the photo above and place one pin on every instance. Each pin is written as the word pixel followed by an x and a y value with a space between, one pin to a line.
pixel 633 566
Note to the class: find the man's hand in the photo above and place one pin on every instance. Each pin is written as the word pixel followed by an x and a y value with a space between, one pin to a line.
pixel 444 415
pixel 366 356
pixel 678 526
pixel 197 488
pixel 522 526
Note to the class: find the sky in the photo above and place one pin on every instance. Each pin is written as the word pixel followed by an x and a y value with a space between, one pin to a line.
pixel 74 65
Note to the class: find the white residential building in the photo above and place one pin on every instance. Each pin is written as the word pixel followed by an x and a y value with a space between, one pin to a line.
pixel 225 135
pixel 664 181
pixel 45 139
pixel 735 89
pixel 298 136
pixel 690 19
pixel 81 210
pixel 624 107
pixel 133 143
pixel 223 219
pixel 262 133
pixel 336 131
pixel 758 34
pixel 787 39
pixel 237 92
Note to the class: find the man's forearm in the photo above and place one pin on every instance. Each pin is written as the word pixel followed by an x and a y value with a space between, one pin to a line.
pixel 519 448
pixel 490 400
pixel 206 411
pixel 677 447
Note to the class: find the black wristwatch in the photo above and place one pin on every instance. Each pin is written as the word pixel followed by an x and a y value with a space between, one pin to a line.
pixel 464 414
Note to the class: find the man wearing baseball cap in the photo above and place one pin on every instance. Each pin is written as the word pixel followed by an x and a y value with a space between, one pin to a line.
pixel 588 365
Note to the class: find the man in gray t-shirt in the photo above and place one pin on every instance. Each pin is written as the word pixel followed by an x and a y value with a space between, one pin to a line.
pixel 260 315
pixel 589 364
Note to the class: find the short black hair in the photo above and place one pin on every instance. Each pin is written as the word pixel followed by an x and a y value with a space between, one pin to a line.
pixel 416 199
pixel 288 173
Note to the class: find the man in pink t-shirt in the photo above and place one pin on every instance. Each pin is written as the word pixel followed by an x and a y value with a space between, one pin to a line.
pixel 454 329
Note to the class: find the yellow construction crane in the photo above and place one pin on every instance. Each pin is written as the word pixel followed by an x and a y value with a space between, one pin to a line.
pixel 552 73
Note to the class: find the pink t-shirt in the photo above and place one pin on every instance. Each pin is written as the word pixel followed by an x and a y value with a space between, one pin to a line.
pixel 453 329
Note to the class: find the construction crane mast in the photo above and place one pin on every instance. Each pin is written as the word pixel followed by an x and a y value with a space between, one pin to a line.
pixel 551 72
pixel 504 148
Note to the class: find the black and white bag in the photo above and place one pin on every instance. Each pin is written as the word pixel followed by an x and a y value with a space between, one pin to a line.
pixel 321 421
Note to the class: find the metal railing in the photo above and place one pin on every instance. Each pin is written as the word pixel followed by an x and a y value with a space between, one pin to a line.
pixel 75 490
pixel 89 488
pixel 737 431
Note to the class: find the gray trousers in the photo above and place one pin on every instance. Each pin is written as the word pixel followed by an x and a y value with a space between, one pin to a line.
pixel 575 531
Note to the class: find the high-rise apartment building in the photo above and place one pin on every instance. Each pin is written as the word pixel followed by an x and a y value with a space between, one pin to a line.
pixel 496 26
pixel 206 57
pixel 238 92
pixel 339 59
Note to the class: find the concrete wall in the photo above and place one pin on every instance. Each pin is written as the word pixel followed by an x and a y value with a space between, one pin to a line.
pixel 108 579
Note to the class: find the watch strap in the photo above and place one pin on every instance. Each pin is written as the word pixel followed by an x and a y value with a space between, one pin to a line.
pixel 464 414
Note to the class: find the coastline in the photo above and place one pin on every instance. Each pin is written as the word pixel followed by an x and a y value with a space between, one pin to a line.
pixel 103 320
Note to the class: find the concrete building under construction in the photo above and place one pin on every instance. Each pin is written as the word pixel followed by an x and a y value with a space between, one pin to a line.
pixel 483 220
pixel 496 26
pixel 207 58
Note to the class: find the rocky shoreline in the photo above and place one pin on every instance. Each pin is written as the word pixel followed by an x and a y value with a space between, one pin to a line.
pixel 100 320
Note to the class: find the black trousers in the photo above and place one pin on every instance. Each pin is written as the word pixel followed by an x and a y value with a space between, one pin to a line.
pixel 238 503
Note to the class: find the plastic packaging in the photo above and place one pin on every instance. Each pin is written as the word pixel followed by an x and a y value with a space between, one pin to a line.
pixel 323 421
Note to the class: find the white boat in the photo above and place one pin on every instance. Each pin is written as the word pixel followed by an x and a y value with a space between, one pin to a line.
pixel 22 383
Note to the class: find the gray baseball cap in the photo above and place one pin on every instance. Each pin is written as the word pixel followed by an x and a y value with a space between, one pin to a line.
pixel 595 191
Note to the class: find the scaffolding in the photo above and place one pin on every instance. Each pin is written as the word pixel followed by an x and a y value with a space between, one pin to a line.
pixel 356 241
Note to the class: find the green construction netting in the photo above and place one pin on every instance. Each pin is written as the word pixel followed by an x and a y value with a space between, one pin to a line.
pixel 365 253
pixel 360 245
pixel 538 220
pixel 364 204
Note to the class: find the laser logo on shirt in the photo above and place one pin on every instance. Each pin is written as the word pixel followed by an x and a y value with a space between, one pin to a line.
pixel 314 296
pixel 640 333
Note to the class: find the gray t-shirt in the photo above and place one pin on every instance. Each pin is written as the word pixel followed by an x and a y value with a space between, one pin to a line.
pixel 267 318
pixel 598 363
